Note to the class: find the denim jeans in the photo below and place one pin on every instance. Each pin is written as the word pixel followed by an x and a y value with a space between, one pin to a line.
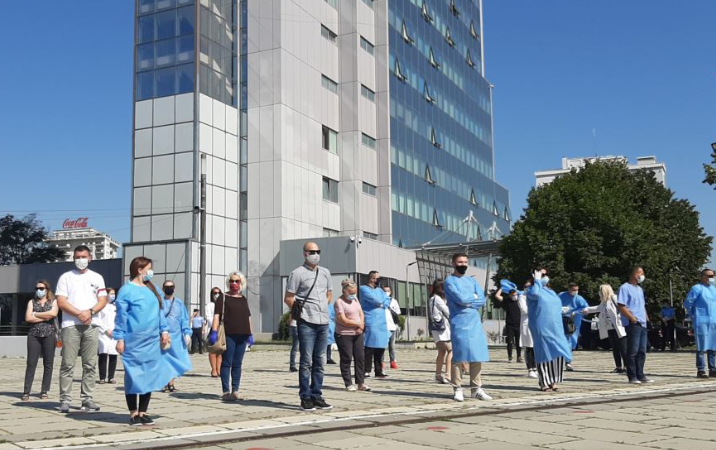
pixel 231 361
pixel 637 337
pixel 701 364
pixel 313 340
pixel 391 345
pixel 293 331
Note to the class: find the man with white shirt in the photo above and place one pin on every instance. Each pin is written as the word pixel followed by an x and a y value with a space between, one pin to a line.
pixel 394 308
pixel 81 294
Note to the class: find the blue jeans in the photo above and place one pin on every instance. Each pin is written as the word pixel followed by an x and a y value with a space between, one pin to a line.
pixel 313 341
pixel 700 363
pixel 293 331
pixel 231 361
pixel 637 337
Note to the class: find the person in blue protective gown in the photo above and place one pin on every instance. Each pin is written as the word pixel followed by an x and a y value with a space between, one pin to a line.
pixel 141 332
pixel 465 298
pixel 575 304
pixel 331 332
pixel 374 301
pixel 180 332
pixel 700 305
pixel 545 322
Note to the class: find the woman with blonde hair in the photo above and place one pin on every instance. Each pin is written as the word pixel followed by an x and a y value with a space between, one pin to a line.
pixel 610 325
pixel 350 327
pixel 233 311
pixel 41 314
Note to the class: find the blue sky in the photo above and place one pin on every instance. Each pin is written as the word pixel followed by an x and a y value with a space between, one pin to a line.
pixel 642 73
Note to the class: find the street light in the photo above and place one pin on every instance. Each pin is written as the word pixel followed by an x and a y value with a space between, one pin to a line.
pixel 202 239
pixel 407 302
pixel 713 146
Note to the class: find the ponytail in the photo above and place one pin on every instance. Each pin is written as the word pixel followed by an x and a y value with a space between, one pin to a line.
pixel 154 289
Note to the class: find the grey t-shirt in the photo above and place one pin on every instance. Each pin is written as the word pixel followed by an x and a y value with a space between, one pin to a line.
pixel 315 307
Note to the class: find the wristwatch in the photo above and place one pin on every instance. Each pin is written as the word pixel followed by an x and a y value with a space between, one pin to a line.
pixel 91 310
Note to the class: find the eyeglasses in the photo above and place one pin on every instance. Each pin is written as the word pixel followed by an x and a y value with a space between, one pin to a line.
pixel 234 281
pixel 313 252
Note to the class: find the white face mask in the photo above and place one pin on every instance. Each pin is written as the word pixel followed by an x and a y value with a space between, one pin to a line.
pixel 216 296
pixel 40 293
pixel 313 259
pixel 641 279
pixel 712 281
pixel 81 263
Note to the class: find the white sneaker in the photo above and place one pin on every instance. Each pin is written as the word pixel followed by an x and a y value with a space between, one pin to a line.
pixel 634 382
pixel 458 397
pixel 646 381
pixel 352 388
pixel 480 394
pixel 569 367
pixel 532 374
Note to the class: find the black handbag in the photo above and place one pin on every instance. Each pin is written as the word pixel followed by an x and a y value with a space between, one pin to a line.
pixel 297 307
pixel 436 325
pixel 568 324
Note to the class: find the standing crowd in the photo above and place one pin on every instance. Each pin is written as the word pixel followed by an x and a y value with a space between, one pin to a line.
pixel 154 334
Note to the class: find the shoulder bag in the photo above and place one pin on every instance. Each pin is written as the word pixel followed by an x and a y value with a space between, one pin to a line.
pixel 436 325
pixel 297 307
pixel 219 346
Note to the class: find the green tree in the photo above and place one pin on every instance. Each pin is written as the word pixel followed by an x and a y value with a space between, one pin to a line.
pixel 710 170
pixel 22 241
pixel 591 226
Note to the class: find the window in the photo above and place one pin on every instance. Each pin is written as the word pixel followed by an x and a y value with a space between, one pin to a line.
pixel 367 46
pixel 330 190
pixel 369 3
pixel 368 235
pixel 329 84
pixel 330 140
pixel 448 38
pixel 368 141
pixel 327 232
pixel 328 34
pixel 331 2
pixel 406 36
pixel 367 93
pixel 368 188
pixel 473 199
pixel 425 12
pixel 473 31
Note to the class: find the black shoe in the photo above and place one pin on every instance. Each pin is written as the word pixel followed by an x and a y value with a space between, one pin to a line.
pixel 293 369
pixel 146 420
pixel 135 421
pixel 307 404
pixel 519 359
pixel 319 403
pixel 330 361
pixel 701 374
pixel 381 376
pixel 712 373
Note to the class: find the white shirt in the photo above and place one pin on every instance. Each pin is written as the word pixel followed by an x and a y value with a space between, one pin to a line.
pixel 392 326
pixel 438 310
pixel 82 291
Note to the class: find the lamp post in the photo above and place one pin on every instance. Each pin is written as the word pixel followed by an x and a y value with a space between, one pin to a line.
pixel 202 239
pixel 407 300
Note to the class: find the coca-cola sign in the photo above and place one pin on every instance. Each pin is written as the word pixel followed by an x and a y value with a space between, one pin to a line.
pixel 78 223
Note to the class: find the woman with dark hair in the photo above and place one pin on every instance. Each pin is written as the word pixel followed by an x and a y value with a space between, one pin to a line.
pixel 214 359
pixel 41 314
pixel 107 348
pixel 142 335
pixel 440 329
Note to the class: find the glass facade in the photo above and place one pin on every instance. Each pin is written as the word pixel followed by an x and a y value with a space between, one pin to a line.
pixel 164 48
pixel 441 125
pixel 218 50
pixel 243 140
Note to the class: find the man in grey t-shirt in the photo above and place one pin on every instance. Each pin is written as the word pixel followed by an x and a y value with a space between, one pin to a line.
pixel 310 285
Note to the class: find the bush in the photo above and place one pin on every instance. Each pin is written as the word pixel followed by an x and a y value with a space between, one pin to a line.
pixel 283 331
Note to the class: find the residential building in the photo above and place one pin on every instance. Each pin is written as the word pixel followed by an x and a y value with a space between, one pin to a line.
pixel 642 163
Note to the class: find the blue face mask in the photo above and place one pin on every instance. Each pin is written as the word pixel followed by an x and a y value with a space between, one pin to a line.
pixel 712 281
pixel 40 293
pixel 149 275
pixel 545 280
pixel 352 297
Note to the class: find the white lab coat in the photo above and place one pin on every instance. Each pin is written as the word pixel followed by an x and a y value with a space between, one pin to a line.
pixel 608 319
pixel 106 344
pixel 525 335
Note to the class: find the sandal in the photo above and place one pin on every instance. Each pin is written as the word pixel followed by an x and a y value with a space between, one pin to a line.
pixel 44 396
pixel 165 389
pixel 102 381
pixel 112 381
pixel 214 375
pixel 25 397
pixel 172 388
pixel 546 389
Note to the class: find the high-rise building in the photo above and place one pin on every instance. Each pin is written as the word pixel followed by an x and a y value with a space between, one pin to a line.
pixel 78 232
pixel 312 118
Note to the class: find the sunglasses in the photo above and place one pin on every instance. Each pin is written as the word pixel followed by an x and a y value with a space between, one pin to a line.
pixel 40 288
pixel 313 252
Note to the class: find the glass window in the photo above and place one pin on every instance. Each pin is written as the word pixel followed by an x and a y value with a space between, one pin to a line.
pixel 330 190
pixel 165 53
pixel 367 93
pixel 331 2
pixel 367 46
pixel 368 235
pixel 185 78
pixel 146 6
pixel 368 141
pixel 145 57
pixel 327 232
pixel 329 84
pixel 369 3
pixel 328 34
pixel 164 4
pixel 145 85
pixel 330 140
pixel 166 24
pixel 186 20
pixel 185 49
pixel 145 29
pixel 368 188
pixel 164 81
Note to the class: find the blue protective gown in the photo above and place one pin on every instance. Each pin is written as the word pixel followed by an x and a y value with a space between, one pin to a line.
pixel 331 323
pixel 464 299
pixel 139 322
pixel 700 305
pixel 177 318
pixel 374 301
pixel 574 303
pixel 545 322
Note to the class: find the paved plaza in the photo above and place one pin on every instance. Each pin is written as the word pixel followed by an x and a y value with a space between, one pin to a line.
pixel 593 409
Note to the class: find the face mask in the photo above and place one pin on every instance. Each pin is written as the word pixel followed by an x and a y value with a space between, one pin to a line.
pixel 216 296
pixel 574 294
pixel 313 259
pixel 513 298
pixel 111 298
pixel 149 275
pixel 352 297
pixel 461 269
pixel 712 281
pixel 40 293
pixel 545 280
pixel 81 263
pixel 641 279
pixel 169 291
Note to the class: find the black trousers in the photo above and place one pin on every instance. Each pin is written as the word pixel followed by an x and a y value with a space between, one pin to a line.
pixel 143 402
pixel 512 336
pixel 374 356
pixel 350 349
pixel 196 340
pixel 37 346
pixel 104 361
pixel 669 331
pixel 530 358
pixel 619 349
